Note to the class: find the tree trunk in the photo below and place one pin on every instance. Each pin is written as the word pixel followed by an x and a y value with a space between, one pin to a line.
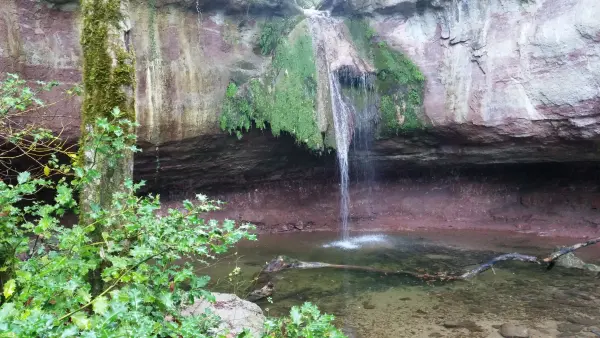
pixel 109 81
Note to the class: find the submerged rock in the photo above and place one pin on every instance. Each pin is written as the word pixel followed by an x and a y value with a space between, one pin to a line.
pixel 569 327
pixel 571 261
pixel 236 314
pixel 513 331
pixel 368 305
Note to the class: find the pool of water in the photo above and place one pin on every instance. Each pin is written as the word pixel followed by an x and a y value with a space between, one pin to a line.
pixel 557 303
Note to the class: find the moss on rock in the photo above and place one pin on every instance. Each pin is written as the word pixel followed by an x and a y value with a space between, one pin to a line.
pixel 399 82
pixel 285 99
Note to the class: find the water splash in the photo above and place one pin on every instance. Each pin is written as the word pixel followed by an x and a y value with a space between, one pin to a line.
pixel 360 242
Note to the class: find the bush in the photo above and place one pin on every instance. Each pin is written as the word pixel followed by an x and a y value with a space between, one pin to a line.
pixel 304 322
pixel 143 257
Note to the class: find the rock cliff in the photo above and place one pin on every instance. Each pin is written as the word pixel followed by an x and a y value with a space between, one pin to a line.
pixel 506 81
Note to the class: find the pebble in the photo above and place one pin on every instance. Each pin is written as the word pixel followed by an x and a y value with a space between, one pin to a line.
pixel 464 324
pixel 476 309
pixel 513 331
pixel 368 305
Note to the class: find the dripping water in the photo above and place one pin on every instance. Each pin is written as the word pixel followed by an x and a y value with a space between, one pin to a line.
pixel 366 118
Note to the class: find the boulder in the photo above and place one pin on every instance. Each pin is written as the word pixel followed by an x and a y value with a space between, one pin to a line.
pixel 236 314
pixel 573 262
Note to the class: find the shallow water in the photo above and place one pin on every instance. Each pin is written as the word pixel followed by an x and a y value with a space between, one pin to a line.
pixel 557 303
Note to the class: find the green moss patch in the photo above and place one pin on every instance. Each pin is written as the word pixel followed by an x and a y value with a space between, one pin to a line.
pixel 103 81
pixel 399 81
pixel 285 99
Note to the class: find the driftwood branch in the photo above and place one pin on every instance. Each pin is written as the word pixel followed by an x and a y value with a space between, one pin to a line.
pixel 555 255
pixel 283 263
pixel 507 257
pixel 550 261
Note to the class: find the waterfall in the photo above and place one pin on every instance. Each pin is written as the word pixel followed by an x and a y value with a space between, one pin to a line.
pixel 337 58
pixel 342 116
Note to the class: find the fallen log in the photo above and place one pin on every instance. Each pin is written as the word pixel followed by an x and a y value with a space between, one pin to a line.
pixel 282 263
pixel 490 264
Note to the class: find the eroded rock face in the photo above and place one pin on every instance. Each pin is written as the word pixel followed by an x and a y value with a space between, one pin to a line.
pixel 507 71
pixel 506 81
pixel 548 200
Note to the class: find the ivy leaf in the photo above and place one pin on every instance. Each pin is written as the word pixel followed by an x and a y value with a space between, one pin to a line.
pixel 140 251
pixel 64 194
pixel 9 288
pixel 44 224
pixel 6 311
pixel 82 322
pixel 200 282
pixel 116 112
pixel 46 170
pixel 100 305
pixel 23 177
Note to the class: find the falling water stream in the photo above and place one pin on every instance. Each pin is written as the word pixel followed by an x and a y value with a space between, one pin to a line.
pixel 346 116
pixel 342 118
pixel 342 115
